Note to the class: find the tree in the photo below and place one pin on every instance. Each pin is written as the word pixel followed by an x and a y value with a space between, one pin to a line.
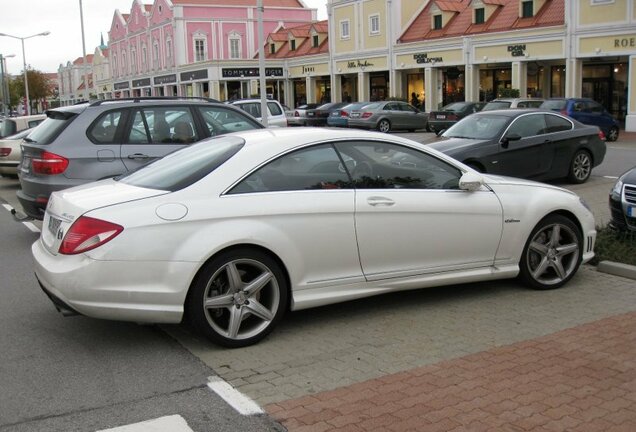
pixel 39 87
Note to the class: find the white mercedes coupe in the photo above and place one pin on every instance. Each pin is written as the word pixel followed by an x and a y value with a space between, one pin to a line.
pixel 233 231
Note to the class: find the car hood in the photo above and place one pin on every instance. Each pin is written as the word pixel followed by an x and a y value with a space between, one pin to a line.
pixel 451 146
pixel 494 180
pixel 629 176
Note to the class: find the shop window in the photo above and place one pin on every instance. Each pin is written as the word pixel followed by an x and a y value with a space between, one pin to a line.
pixel 316 41
pixel 374 24
pixel 437 22
pixel 344 29
pixel 480 16
pixel 527 9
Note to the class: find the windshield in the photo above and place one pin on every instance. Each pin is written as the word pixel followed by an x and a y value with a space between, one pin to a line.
pixel 554 105
pixel 456 106
pixel 478 127
pixel 185 167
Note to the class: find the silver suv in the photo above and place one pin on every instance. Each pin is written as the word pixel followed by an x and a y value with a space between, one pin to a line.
pixel 86 142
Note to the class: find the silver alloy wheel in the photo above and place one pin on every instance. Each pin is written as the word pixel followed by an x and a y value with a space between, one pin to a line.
pixel 581 166
pixel 384 126
pixel 553 254
pixel 613 134
pixel 241 299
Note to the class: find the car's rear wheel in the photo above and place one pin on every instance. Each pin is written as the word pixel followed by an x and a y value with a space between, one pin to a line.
pixel 613 134
pixel 552 254
pixel 384 125
pixel 475 166
pixel 580 167
pixel 238 298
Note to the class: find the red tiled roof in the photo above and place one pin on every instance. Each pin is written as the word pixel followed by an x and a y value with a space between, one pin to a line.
pixel 321 26
pixel 505 18
pixel 266 3
pixel 451 6
pixel 278 37
pixel 306 46
pixel 80 60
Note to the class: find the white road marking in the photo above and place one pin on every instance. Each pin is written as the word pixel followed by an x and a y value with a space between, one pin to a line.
pixel 32 227
pixel 173 423
pixel 610 177
pixel 237 400
pixel 8 207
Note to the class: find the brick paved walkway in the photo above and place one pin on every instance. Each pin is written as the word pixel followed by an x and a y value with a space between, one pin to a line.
pixel 579 379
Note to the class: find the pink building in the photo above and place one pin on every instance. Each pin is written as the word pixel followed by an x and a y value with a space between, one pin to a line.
pixel 196 47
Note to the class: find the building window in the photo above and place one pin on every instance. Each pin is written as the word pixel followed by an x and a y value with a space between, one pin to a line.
pixel 374 24
pixel 169 52
pixel 199 49
pixel 316 40
pixel 437 22
pixel 292 44
pixel 155 54
pixel 527 9
pixel 480 16
pixel 123 63
pixel 272 48
pixel 133 60
pixel 144 58
pixel 115 70
pixel 344 29
pixel 235 47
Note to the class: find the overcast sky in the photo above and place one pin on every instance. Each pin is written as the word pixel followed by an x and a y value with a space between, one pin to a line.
pixel 24 18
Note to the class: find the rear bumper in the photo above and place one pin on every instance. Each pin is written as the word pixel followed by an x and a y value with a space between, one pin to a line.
pixel 32 207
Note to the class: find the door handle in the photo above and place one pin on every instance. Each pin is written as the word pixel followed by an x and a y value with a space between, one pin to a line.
pixel 380 201
pixel 138 156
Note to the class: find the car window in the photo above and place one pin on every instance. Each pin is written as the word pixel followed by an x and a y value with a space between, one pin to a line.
pixel 50 128
pixel 578 107
pixel 252 108
pixel 557 124
pixel 102 131
pixel 163 125
pixel 555 105
pixel 274 109
pixel 594 107
pixel 378 165
pixel 406 107
pixel 220 120
pixel 478 127
pixel 8 127
pixel 391 107
pixel 455 106
pixel 34 123
pixel 317 167
pixel 528 125
pixel 495 105
pixel 534 104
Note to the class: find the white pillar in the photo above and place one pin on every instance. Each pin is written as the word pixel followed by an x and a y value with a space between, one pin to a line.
pixel 364 92
pixel 573 78
pixel 471 83
pixel 336 89
pixel 520 77
pixel 395 84
pixel 432 88
pixel 630 119
pixel 310 89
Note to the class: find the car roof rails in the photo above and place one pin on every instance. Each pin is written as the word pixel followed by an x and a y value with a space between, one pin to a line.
pixel 152 98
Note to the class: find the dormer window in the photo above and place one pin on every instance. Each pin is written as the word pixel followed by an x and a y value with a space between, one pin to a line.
pixel 480 15
pixel 527 9
pixel 316 41
pixel 272 48
pixel 437 22
pixel 292 44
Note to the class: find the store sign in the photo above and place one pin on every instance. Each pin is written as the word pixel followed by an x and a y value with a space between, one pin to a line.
pixel 121 85
pixel 424 58
pixel 194 75
pixel 165 79
pixel 625 43
pixel 145 82
pixel 358 64
pixel 517 50
pixel 250 72
pixel 308 69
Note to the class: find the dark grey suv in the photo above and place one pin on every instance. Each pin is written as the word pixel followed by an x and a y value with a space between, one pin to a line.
pixel 87 142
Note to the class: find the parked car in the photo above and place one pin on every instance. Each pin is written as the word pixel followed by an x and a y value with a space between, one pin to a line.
pixel 319 115
pixel 10 153
pixel 532 144
pixel 293 219
pixel 340 118
pixel 275 111
pixel 622 202
pixel 12 125
pixel 505 103
pixel 388 115
pixel 451 114
pixel 586 111
pixel 300 114
pixel 82 143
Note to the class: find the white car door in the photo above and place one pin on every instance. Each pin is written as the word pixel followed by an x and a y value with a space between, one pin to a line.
pixel 411 217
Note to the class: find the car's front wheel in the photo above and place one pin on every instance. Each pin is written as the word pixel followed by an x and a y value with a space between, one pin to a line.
pixel 580 167
pixel 384 125
pixel 613 134
pixel 238 298
pixel 552 254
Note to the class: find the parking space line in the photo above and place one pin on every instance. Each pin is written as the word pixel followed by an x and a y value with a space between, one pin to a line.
pixel 610 177
pixel 27 224
pixel 8 207
pixel 173 423
pixel 237 400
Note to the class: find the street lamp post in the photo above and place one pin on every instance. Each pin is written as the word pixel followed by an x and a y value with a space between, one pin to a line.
pixel 6 98
pixel 26 81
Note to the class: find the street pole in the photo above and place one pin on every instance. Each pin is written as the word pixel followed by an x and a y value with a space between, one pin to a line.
pixel 5 84
pixel 4 94
pixel 87 93
pixel 261 63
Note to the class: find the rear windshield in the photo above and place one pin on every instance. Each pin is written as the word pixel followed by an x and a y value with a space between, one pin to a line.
pixel 7 127
pixel 19 135
pixel 457 106
pixel 185 167
pixel 495 105
pixel 49 129
pixel 554 104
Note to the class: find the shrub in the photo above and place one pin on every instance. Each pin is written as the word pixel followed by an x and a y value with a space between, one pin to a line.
pixel 615 246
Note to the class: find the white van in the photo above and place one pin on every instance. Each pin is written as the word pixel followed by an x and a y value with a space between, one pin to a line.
pixel 276 113
pixel 12 125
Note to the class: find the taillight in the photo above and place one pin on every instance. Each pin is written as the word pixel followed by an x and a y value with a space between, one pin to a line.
pixel 87 233
pixel 296 114
pixel 5 151
pixel 49 164
pixel 564 112
pixel 451 117
pixel 366 115
pixel 601 135
pixel 344 114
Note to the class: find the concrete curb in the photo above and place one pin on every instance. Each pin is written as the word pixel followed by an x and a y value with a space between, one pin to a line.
pixel 617 269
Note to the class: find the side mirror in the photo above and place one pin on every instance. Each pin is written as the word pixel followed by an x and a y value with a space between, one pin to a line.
pixel 510 137
pixel 471 181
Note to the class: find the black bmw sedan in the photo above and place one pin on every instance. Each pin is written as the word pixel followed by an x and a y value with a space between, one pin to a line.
pixel 532 144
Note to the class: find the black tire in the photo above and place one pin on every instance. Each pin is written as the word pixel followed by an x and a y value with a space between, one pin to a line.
pixel 552 254
pixel 613 134
pixel 580 167
pixel 246 295
pixel 384 125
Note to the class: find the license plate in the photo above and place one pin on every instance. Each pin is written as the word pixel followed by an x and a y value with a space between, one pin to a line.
pixel 355 115
pixel 310 114
pixel 631 211
pixel 54 224
pixel 441 117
